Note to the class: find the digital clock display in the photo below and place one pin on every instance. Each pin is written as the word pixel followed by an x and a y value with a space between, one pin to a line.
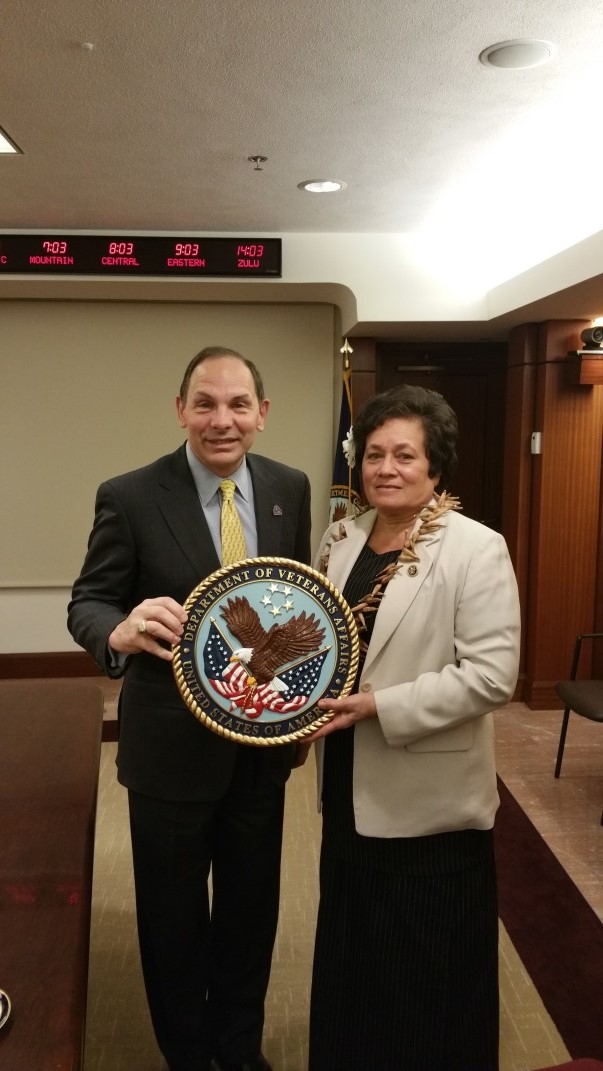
pixel 100 254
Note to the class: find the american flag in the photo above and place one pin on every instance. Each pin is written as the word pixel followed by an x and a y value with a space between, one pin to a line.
pixel 231 680
pixel 216 653
pixel 304 677
pixel 345 485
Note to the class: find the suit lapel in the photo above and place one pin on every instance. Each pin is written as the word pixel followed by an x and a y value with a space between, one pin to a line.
pixel 402 589
pixel 178 501
pixel 270 505
pixel 400 594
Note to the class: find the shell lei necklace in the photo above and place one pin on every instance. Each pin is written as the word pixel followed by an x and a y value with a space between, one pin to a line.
pixel 430 518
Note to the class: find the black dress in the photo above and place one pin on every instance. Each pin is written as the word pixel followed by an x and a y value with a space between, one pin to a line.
pixel 405 973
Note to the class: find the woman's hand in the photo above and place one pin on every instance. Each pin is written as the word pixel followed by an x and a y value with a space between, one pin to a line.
pixel 149 627
pixel 348 711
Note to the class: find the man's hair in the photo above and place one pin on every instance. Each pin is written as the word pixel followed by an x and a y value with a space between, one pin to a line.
pixel 439 422
pixel 221 351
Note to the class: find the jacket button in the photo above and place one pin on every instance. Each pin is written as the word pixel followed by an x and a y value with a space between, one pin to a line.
pixel 366 687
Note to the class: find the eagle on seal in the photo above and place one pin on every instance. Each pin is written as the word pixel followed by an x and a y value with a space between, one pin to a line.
pixel 264 652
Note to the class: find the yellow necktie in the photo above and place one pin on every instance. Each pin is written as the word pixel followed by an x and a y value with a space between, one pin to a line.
pixel 231 529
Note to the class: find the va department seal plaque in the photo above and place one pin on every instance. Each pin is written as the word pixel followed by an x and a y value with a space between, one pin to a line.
pixel 266 638
pixel 4 1007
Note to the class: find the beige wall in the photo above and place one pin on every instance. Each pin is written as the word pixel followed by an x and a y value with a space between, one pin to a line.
pixel 88 391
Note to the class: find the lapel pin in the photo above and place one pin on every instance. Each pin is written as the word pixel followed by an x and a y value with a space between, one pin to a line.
pixel 277 511
pixel 412 570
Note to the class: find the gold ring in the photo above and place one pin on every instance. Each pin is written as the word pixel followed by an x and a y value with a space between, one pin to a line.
pixel 142 626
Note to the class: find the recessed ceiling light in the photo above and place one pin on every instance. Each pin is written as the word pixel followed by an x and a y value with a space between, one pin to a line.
pixel 321 186
pixel 519 54
pixel 6 145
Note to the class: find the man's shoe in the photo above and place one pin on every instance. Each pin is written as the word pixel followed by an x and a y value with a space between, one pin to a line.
pixel 261 1064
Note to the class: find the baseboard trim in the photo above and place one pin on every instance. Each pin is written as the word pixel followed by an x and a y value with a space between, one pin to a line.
pixel 540 695
pixel 47 664
pixel 110 730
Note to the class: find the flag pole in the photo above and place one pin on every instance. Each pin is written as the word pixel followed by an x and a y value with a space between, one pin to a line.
pixel 346 349
pixel 345 489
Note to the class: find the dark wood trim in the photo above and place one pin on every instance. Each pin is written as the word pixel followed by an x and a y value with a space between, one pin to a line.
pixel 519 690
pixel 597 668
pixel 362 358
pixel 540 695
pixel 362 362
pixel 565 511
pixel 110 730
pixel 47 664
pixel 517 465
pixel 585 368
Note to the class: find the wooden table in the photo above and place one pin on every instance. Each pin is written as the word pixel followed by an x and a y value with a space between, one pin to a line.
pixel 50 736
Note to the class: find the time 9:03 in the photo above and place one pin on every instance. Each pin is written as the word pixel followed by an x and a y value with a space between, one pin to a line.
pixel 186 249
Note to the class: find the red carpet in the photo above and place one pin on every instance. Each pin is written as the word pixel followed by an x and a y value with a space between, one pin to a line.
pixel 555 931
pixel 576 1065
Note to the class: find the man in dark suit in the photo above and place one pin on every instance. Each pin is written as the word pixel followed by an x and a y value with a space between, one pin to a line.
pixel 197 801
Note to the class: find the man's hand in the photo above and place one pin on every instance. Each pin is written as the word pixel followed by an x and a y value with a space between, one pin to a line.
pixel 149 627
pixel 348 711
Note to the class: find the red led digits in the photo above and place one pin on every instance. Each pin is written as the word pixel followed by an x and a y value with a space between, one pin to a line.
pixel 121 254
pixel 186 255
pixel 54 254
pixel 140 255
pixel 54 247
pixel 250 251
pixel 249 257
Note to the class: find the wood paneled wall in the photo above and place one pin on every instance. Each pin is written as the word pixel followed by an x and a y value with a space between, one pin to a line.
pixel 552 503
pixel 517 469
pixel 364 374
pixel 472 378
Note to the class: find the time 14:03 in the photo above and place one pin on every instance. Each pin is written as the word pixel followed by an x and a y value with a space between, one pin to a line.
pixel 250 251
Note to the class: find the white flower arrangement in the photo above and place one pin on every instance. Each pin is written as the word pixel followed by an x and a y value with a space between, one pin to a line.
pixel 349 448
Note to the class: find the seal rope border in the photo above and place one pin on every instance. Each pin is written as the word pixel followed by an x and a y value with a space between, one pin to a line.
pixel 299 734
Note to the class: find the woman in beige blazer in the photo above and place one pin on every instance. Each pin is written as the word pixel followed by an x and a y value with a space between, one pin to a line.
pixel 405 969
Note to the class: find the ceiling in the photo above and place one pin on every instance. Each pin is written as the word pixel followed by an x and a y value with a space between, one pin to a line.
pixel 151 128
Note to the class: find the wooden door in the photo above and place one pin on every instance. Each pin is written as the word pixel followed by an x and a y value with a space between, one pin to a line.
pixel 472 378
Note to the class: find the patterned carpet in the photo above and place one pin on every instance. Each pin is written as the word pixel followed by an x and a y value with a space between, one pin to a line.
pixel 553 928
pixel 119 1035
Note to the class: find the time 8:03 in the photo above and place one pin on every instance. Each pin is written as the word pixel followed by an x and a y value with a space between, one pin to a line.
pixel 121 249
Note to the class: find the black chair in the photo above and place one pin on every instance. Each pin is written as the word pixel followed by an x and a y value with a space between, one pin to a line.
pixel 584 697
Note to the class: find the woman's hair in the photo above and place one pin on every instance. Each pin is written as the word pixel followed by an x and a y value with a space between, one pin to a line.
pixel 438 419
